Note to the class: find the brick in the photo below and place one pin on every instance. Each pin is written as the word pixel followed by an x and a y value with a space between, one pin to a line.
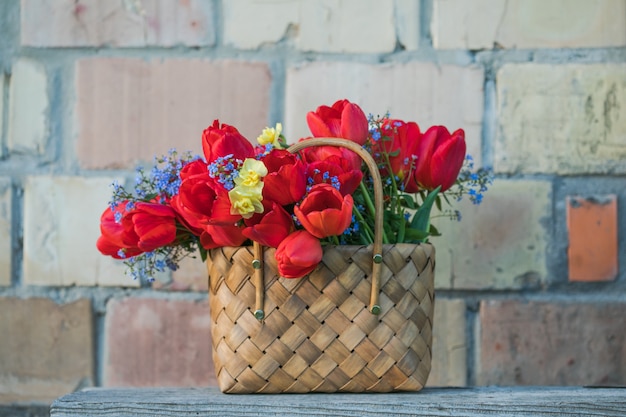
pixel 485 24
pixel 543 343
pixel 266 22
pixel 352 26
pixel 191 275
pixel 407 16
pixel 61 226
pixel 2 78
pixel 498 244
pixel 70 23
pixel 564 119
pixel 150 342
pixel 449 361
pixel 130 109
pixel 592 229
pixel 5 231
pixel 422 92
pixel 28 108
pixel 47 350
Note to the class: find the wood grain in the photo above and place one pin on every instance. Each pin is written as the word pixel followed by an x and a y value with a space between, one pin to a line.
pixel 462 402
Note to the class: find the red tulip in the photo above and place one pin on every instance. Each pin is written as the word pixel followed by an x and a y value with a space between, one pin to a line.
pixel 400 141
pixel 335 167
pixel 285 182
pixel 350 160
pixel 108 247
pixel 222 235
pixel 219 141
pixel 199 203
pixel 118 238
pixel 342 120
pixel 440 157
pixel 187 218
pixel 298 254
pixel 275 225
pixel 193 169
pixel 155 224
pixel 324 211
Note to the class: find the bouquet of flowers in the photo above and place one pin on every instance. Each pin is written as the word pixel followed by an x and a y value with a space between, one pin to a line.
pixel 295 202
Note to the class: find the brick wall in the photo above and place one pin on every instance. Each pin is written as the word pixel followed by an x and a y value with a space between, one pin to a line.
pixel 530 287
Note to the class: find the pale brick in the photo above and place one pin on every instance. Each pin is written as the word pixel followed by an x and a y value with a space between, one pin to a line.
pixel 61 227
pixel 130 109
pixel 484 24
pixel 191 275
pixel 265 22
pixel 1 110
pixel 47 349
pixel 422 92
pixel 449 361
pixel 5 231
pixel 71 23
pixel 28 108
pixel 407 16
pixel 353 26
pixel 565 119
pixel 498 244
pixel 151 342
pixel 558 343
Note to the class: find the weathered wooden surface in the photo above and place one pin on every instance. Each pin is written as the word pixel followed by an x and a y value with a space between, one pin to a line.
pixel 468 402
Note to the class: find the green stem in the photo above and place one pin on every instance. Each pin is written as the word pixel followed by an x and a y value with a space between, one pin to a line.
pixel 371 208
pixel 401 231
pixel 368 234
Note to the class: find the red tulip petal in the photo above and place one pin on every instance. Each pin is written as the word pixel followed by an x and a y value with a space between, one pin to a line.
pixel 354 124
pixel 317 126
pixel 447 161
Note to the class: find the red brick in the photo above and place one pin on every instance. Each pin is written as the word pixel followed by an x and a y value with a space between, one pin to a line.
pixel 152 342
pixel 130 109
pixel 542 343
pixel 592 227
pixel 46 349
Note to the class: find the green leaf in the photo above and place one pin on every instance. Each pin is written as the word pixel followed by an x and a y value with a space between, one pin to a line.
pixel 434 231
pixel 203 252
pixel 421 219
pixel 414 235
pixel 438 201
pixel 408 201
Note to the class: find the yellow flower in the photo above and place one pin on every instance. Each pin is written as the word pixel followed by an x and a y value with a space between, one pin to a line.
pixel 271 136
pixel 250 173
pixel 246 201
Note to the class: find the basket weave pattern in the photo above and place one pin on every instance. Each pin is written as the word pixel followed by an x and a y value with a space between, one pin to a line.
pixel 318 334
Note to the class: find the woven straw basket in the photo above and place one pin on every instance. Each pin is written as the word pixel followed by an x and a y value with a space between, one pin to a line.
pixel 360 322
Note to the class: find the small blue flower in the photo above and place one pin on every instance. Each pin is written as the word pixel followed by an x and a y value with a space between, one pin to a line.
pixel 160 265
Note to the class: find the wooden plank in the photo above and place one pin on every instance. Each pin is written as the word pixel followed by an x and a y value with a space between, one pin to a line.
pixel 463 402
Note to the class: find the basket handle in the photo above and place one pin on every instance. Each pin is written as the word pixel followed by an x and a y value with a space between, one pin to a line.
pixel 377 257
